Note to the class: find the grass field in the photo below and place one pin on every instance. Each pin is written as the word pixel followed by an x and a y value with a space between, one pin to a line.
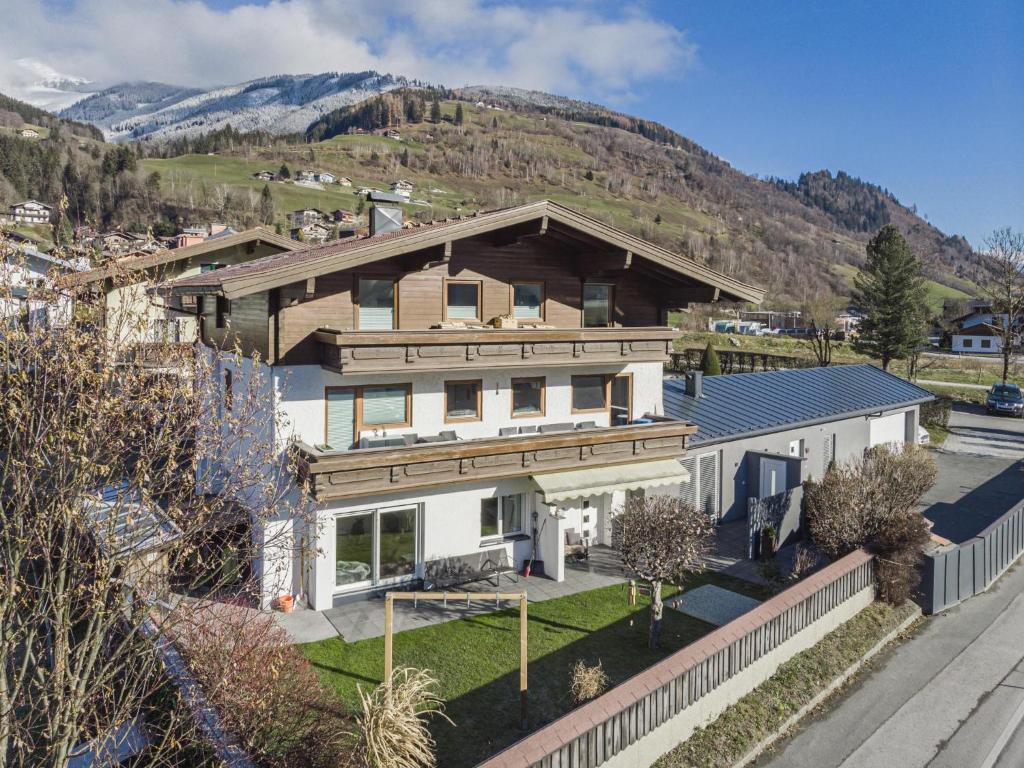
pixel 476 661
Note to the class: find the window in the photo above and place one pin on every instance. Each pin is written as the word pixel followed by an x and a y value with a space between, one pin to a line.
pixel 527 397
pixel 501 516
pixel 349 410
pixel 986 343
pixel 375 304
pixel 597 305
pixel 385 406
pixel 462 400
pixel 223 312
pixel 702 489
pixel 462 300
pixel 589 393
pixel 968 343
pixel 528 301
pixel 796 448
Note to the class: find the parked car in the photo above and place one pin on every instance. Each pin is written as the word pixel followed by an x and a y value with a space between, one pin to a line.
pixel 1005 398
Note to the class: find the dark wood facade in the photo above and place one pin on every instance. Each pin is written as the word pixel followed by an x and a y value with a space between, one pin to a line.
pixel 348 474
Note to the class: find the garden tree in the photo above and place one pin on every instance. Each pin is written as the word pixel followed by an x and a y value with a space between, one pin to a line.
pixel 889 290
pixel 283 172
pixel 98 462
pixel 662 538
pixel 709 363
pixel 871 502
pixel 266 205
pixel 820 313
pixel 1005 288
pixel 459 117
pixel 435 111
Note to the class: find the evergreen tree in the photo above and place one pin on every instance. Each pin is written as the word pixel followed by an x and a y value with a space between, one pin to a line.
pixel 889 290
pixel 589 175
pixel 709 363
pixel 459 117
pixel 405 157
pixel 435 111
pixel 283 172
pixel 266 205
pixel 657 218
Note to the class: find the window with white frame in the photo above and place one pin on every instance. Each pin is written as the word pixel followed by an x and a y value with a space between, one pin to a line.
pixel 702 489
pixel 501 516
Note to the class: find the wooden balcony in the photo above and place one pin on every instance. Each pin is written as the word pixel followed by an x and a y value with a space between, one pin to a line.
pixel 446 350
pixel 372 471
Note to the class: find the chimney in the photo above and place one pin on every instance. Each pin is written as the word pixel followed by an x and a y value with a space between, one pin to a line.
pixel 384 219
pixel 695 383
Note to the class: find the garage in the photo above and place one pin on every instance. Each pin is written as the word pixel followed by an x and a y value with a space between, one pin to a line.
pixel 887 429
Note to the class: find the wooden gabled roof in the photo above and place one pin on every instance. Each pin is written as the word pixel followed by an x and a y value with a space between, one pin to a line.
pixel 141 260
pixel 283 269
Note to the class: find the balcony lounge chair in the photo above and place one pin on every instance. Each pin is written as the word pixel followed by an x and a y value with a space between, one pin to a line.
pixel 575 547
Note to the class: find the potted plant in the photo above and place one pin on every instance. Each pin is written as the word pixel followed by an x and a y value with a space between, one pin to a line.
pixel 769 540
pixel 285 603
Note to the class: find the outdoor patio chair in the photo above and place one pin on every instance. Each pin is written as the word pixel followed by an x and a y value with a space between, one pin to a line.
pixel 410 439
pixel 575 546
pixel 449 434
pixel 587 425
pixel 565 427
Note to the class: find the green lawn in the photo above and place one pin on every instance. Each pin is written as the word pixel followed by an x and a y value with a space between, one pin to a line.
pixel 476 660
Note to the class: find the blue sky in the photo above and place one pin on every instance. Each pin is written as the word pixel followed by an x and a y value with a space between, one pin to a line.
pixel 924 98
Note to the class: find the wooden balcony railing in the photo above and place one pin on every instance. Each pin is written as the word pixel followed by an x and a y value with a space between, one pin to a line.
pixel 442 350
pixel 346 474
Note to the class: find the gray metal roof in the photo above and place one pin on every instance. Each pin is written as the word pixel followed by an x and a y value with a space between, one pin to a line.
pixel 749 404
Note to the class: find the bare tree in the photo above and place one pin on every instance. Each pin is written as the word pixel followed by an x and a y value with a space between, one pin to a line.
pixel 130 495
pixel 1005 288
pixel 661 538
pixel 823 332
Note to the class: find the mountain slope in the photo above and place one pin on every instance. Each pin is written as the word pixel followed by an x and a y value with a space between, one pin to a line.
pixel 281 105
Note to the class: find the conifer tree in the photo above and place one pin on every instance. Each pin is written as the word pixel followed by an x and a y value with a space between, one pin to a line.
pixel 284 173
pixel 889 290
pixel 435 111
pixel 709 363
pixel 459 117
pixel 266 205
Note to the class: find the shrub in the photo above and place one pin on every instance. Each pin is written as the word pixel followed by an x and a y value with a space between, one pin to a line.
pixel 266 693
pixel 393 723
pixel 709 363
pixel 587 682
pixel 936 413
pixel 871 502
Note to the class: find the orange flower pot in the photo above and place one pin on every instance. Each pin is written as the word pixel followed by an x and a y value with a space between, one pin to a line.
pixel 286 603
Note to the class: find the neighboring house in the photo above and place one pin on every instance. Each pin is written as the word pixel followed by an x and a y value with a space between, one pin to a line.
pixel 305 216
pixel 342 216
pixel 30 212
pixel 26 267
pixel 190 236
pixel 979 337
pixel 28 133
pixel 423 433
pixel 324 177
pixel 264 175
pixel 127 282
pixel 761 435
pixel 386 197
pixel 313 232
pixel 391 133
pixel 344 181
pixel 305 176
pixel 402 187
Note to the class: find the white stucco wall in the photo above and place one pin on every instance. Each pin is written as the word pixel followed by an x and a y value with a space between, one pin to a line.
pixel 995 344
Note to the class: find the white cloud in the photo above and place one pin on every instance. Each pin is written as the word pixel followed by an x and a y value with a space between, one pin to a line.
pixel 575 47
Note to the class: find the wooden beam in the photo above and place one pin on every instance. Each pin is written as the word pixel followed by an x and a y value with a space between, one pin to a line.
pixel 310 287
pixel 629 260
pixel 523 647
pixel 446 254
pixel 543 225
pixel 389 613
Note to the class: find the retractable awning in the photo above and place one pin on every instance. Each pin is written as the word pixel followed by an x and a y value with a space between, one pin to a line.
pixel 581 483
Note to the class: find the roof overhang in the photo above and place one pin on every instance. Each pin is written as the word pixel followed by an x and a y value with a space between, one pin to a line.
pixel 557 487
pixel 545 212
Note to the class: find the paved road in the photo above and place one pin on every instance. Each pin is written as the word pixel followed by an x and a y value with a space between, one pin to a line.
pixel 970 492
pixel 952 384
pixel 950 697
pixel 975 432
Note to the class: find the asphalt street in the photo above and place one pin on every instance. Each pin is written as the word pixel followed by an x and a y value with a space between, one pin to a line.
pixel 972 431
pixel 950 697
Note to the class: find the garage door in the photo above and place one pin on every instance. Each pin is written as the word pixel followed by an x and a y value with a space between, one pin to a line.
pixel 887 429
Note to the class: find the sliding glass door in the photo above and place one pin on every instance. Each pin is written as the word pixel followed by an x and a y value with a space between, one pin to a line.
pixel 375 547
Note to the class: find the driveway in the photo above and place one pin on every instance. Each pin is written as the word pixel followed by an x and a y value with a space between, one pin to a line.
pixel 970 492
pixel 972 431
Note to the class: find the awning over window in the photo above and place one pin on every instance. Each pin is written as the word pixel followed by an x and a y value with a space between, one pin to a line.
pixel 581 483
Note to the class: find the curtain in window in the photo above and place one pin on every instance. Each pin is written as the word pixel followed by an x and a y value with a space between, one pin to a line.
pixel 511 513
pixel 462 301
pixel 384 405
pixel 341 418
pixel 526 301
pixel 376 305
pixel 597 301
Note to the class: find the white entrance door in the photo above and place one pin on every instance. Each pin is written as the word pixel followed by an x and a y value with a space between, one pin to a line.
pixel 886 429
pixel 773 477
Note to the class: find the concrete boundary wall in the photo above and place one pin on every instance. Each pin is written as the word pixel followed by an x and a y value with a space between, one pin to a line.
pixel 652 712
pixel 952 575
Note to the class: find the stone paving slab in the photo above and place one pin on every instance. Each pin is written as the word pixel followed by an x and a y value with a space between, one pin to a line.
pixel 713 604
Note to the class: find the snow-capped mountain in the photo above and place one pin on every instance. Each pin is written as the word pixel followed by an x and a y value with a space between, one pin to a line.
pixel 42 86
pixel 280 104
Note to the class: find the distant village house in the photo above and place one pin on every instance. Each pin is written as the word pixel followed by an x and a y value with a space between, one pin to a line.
pixel 30 212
